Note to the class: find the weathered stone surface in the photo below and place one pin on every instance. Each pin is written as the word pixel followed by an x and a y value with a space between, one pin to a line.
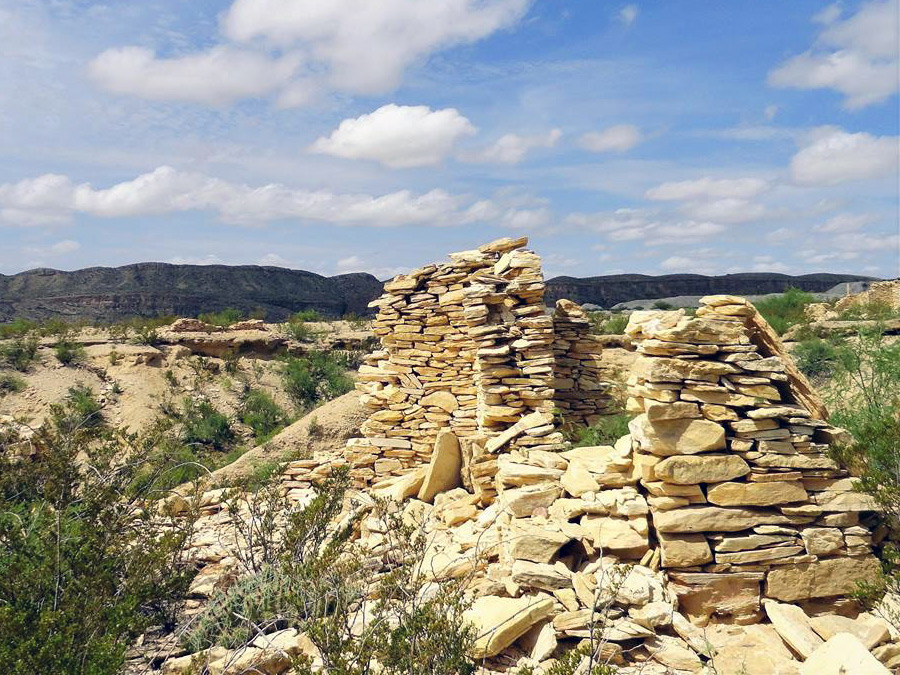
pixel 679 370
pixel 500 621
pixel 792 625
pixel 842 654
pixel 440 399
pixel 756 494
pixel 443 471
pixel 673 652
pixel 577 480
pixel 734 595
pixel 535 543
pixel 626 537
pixel 521 502
pixel 683 550
pixel 749 650
pixel 715 519
pixel 822 540
pixel 677 436
pixel 870 630
pixel 541 575
pixel 820 579
pixel 694 469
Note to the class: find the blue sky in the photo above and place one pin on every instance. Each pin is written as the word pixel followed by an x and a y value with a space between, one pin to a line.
pixel 378 135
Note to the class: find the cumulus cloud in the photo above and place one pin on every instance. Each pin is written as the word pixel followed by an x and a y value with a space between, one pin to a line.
pixel 209 259
pixel 618 138
pixel 833 156
pixel 858 57
pixel 846 222
pixel 512 148
pixel 397 136
pixel 354 46
pixel 53 200
pixel 708 188
pixel 730 211
pixel 220 76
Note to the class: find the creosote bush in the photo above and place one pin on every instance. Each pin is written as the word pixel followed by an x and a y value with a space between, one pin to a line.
pixel 67 351
pixel 261 413
pixel 19 353
pixel 318 376
pixel 302 570
pixel 202 424
pixel 816 357
pixel 608 324
pixel 85 566
pixel 11 384
pixel 785 310
pixel 226 317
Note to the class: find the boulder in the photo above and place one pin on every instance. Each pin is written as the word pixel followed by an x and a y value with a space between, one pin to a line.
pixel 443 472
pixel 792 625
pixel 694 469
pixel 820 579
pixel 501 621
pixel 870 630
pixel 440 399
pixel 842 654
pixel 677 436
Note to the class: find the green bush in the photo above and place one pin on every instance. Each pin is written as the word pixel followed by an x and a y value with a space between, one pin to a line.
pixel 11 384
pixel 260 412
pixel 68 351
pixel 79 410
pixel 611 324
pixel 871 311
pixel 867 404
pixel 815 357
pixel 17 328
pixel 307 315
pixel 785 310
pixel 202 424
pixel 84 568
pixel 300 331
pixel 662 304
pixel 226 317
pixel 606 431
pixel 318 376
pixel 19 353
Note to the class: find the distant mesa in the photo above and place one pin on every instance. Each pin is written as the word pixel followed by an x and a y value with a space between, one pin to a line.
pixel 153 289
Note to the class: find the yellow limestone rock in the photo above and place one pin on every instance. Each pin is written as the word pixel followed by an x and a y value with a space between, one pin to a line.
pixel 440 399
pixel 870 630
pixel 501 621
pixel 402 487
pixel 686 436
pixel 694 469
pixel 756 494
pixel 842 654
pixel 820 579
pixel 673 652
pixel 443 472
pixel 792 625
pixel 715 519
pixel 684 550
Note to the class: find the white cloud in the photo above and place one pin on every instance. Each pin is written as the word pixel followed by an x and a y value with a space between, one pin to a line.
pixel 398 136
pixel 708 188
pixel 355 263
pixel 730 210
pixel 618 138
pixel 220 76
pixel 858 57
pixel 834 156
pixel 677 232
pixel 766 263
pixel 846 222
pixel 355 46
pixel 770 112
pixel 53 199
pixel 628 14
pixel 512 148
pixel 273 260
pixel 64 246
pixel 352 263
pixel 780 235
pixel 209 259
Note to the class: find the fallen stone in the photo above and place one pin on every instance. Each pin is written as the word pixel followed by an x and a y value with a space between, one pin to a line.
pixel 793 626
pixel 443 472
pixel 501 621
pixel 842 654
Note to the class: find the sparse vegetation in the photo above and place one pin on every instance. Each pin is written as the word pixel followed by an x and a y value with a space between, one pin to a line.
pixel 662 304
pixel 260 412
pixel 606 431
pixel 68 352
pixel 318 376
pixel 202 424
pixel 785 310
pixel 816 357
pixel 226 317
pixel 869 311
pixel 608 324
pixel 19 353
pixel 11 384
pixel 84 567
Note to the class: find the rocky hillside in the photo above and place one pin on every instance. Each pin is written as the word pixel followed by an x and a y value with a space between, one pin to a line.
pixel 610 290
pixel 154 289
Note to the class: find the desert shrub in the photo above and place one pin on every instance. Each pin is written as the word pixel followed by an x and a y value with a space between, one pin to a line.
pixel 226 317
pixel 79 410
pixel 84 566
pixel 17 328
pixel 306 573
pixel 608 324
pixel 318 376
pixel 301 331
pixel 232 362
pixel 308 315
pixel 606 431
pixel 11 384
pixel 785 310
pixel 262 414
pixel 202 424
pixel 114 357
pixel 662 304
pixel 146 335
pixel 815 357
pixel 356 321
pixel 867 382
pixel 872 310
pixel 57 327
pixel 19 353
pixel 68 351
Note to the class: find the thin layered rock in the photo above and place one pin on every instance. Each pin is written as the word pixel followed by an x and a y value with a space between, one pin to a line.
pixel 732 444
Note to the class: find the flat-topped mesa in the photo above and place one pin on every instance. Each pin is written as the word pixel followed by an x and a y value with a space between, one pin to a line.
pixel 469 346
pixel 731 442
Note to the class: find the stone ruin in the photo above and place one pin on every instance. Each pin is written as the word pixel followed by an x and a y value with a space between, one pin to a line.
pixel 722 505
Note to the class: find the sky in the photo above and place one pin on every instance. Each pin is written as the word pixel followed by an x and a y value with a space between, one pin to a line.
pixel 340 136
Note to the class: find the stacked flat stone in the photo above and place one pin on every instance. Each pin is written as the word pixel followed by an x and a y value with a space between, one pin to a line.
pixel 582 396
pixel 732 449
pixel 469 346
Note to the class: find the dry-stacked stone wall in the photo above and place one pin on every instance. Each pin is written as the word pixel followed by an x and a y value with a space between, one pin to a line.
pixel 469 346
pixel 731 444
